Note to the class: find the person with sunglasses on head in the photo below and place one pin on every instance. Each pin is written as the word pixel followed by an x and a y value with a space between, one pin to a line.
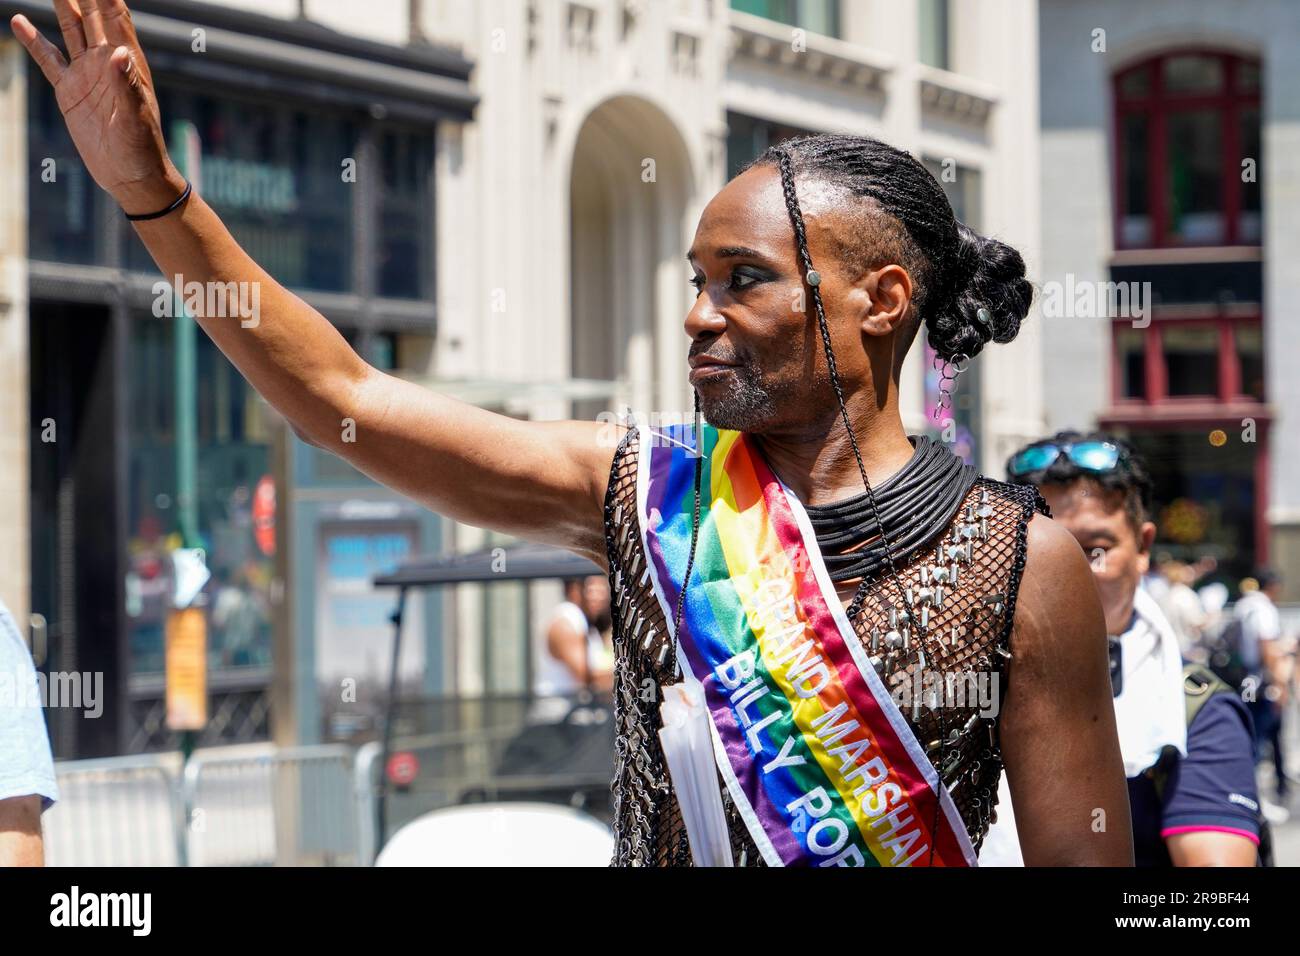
pixel 1185 737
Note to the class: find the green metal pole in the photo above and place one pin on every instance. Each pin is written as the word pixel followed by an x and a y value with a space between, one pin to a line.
pixel 185 148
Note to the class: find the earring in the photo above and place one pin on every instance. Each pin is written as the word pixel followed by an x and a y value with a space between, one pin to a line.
pixel 953 367
pixel 948 372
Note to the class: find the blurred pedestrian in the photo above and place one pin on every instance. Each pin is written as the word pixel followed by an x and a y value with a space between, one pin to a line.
pixel 577 655
pixel 1268 661
pixel 1182 606
pixel 1191 782
pixel 27 786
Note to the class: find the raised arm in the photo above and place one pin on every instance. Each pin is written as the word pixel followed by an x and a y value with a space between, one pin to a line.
pixel 1059 742
pixel 543 481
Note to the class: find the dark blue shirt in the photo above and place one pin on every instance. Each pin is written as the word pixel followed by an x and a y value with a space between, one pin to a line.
pixel 1212 788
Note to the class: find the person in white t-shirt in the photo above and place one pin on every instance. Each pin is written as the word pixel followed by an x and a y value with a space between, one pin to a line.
pixel 1268 658
pixel 576 653
pixel 1182 606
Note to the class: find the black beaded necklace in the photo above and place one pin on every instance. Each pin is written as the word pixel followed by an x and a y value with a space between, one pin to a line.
pixel 914 506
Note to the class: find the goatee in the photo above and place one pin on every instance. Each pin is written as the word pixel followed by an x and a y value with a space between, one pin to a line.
pixel 743 404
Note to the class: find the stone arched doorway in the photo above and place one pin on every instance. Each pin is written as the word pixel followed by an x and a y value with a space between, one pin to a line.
pixel 629 186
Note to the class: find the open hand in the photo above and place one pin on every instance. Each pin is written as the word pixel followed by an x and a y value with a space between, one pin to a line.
pixel 105 92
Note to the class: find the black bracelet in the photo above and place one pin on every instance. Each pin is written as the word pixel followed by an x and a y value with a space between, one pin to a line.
pixel 172 208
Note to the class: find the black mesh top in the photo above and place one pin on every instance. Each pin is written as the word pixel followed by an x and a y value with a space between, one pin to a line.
pixel 969 631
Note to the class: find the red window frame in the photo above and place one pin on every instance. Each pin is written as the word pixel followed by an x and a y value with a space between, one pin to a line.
pixel 1156 106
pixel 1156 409
pixel 1155 368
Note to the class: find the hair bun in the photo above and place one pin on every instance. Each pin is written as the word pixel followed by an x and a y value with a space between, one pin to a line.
pixel 988 297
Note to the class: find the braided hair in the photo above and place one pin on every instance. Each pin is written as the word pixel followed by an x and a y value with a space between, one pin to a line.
pixel 970 289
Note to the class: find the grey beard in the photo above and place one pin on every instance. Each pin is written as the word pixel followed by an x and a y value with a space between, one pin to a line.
pixel 748 407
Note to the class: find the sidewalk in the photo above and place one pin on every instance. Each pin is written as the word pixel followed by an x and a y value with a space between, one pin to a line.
pixel 1286 836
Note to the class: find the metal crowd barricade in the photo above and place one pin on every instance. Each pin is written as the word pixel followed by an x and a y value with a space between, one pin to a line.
pixel 300 806
pixel 291 807
pixel 118 811
pixel 294 806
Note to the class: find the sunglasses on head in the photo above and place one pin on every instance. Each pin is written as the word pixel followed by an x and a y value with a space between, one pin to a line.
pixel 1094 456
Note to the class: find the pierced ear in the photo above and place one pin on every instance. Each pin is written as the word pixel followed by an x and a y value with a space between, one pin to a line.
pixel 889 293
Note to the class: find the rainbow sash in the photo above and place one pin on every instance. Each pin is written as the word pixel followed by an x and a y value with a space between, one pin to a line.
pixel 818 759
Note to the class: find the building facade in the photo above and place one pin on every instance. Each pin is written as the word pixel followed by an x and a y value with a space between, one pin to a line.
pixel 1168 162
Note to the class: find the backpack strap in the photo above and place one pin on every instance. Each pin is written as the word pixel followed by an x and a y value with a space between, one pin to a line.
pixel 1200 684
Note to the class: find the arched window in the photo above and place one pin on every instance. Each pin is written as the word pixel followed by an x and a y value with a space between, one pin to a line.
pixel 1187 147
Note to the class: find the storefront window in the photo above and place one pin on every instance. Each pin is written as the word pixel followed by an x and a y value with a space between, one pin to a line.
pixel 1251 224
pixel 1195 193
pixel 1204 496
pixel 235 494
pixel 934 33
pixel 1247 77
pixel 405 215
pixel 961 184
pixel 1131 344
pixel 1250 358
pixel 1210 358
pixel 276 176
pixel 747 137
pixel 63 209
pixel 1193 73
pixel 1186 122
pixel 1135 225
pixel 1136 82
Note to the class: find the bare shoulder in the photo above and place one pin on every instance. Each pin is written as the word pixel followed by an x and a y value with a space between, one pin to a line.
pixel 1057 727
pixel 1051 547
pixel 1058 598
pixel 590 448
